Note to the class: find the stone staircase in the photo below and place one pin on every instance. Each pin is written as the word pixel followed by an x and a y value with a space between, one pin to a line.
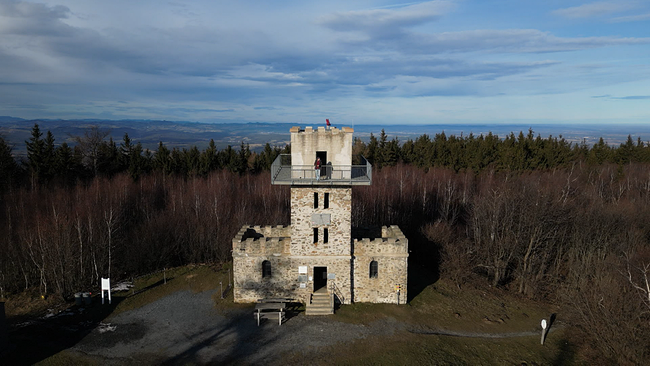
pixel 320 303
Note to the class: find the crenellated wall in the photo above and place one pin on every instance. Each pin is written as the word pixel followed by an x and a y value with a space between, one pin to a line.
pixel 336 142
pixel 391 254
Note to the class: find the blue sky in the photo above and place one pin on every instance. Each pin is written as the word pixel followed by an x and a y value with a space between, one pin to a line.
pixel 372 62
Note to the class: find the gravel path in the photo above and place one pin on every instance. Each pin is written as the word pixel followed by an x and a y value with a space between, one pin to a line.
pixel 184 328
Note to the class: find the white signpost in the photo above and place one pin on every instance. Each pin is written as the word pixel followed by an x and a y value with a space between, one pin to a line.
pixel 544 325
pixel 106 287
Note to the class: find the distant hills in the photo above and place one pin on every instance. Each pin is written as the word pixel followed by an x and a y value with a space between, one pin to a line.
pixel 181 134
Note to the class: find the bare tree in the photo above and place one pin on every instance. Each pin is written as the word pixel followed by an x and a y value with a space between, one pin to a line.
pixel 90 144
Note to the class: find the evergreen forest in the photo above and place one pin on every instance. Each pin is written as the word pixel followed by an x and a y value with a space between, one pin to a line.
pixel 540 217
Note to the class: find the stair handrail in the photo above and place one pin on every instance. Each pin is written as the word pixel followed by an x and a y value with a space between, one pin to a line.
pixel 336 291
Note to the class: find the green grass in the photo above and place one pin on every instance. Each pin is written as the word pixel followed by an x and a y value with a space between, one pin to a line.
pixel 444 306
pixel 153 287
pixel 415 349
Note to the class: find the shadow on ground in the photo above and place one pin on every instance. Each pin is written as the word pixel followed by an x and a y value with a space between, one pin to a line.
pixel 37 339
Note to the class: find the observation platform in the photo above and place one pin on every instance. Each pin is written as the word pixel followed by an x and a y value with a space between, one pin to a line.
pixel 284 173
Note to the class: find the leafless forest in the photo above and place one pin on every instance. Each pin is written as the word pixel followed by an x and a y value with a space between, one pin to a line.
pixel 576 234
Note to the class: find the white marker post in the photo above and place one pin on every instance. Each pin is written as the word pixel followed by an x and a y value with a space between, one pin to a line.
pixel 106 288
pixel 543 330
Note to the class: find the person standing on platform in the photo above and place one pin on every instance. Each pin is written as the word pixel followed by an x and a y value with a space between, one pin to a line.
pixel 317 164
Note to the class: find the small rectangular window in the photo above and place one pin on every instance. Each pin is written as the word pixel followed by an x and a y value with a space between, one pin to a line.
pixel 325 235
pixel 315 235
pixel 326 204
pixel 315 199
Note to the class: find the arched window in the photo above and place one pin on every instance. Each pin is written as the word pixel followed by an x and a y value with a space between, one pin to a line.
pixel 373 269
pixel 266 269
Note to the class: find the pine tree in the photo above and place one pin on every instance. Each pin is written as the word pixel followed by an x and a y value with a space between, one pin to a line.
pixel 124 157
pixel 162 160
pixel 49 159
pixel 371 152
pixel 35 155
pixel 8 166
pixel 65 164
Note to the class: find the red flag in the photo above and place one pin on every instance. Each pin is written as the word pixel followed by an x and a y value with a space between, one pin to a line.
pixel 328 122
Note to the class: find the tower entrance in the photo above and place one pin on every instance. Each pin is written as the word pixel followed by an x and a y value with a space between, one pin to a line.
pixel 320 278
pixel 323 162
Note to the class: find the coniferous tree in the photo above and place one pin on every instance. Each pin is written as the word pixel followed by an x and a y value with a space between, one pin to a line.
pixel 600 153
pixel 125 152
pixel 35 155
pixel 192 160
pixel 49 161
pixel 109 161
pixel 208 160
pixel 64 162
pixel 162 159
pixel 372 150
pixel 8 166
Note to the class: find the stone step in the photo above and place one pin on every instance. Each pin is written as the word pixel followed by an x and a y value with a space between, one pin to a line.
pixel 320 304
pixel 320 301
pixel 318 311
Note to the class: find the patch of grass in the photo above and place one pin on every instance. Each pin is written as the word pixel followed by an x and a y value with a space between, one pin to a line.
pixel 29 304
pixel 405 348
pixel 65 358
pixel 445 307
pixel 195 278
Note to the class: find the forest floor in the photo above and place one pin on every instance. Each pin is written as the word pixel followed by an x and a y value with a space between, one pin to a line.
pixel 183 320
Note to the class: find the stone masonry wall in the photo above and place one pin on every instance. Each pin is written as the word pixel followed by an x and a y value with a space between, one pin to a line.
pixel 391 254
pixel 302 209
pixel 285 280
pixel 251 247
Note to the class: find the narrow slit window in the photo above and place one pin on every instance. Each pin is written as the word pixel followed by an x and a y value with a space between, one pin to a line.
pixel 266 269
pixel 326 204
pixel 315 235
pixel 373 269
pixel 315 199
pixel 325 235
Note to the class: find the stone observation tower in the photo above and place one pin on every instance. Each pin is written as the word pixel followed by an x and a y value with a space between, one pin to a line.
pixel 317 255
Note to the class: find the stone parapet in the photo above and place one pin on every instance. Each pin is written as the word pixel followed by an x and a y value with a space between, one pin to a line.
pixel 257 240
pixel 393 242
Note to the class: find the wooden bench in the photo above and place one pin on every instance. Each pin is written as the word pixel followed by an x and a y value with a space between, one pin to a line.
pixel 271 310
pixel 282 300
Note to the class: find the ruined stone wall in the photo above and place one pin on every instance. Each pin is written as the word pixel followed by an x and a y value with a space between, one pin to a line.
pixel 391 254
pixel 251 248
pixel 339 229
pixel 285 279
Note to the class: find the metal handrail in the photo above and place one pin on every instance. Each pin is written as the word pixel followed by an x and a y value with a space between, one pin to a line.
pixel 336 291
pixel 306 174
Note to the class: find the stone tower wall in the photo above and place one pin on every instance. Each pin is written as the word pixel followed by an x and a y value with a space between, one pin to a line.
pixel 305 143
pixel 302 229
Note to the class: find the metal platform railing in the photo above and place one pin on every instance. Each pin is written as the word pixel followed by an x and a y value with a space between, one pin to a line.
pixel 284 173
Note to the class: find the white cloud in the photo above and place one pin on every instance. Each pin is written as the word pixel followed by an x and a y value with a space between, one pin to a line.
pixel 386 19
pixel 596 9
pixel 631 18
pixel 487 40
pixel 222 57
